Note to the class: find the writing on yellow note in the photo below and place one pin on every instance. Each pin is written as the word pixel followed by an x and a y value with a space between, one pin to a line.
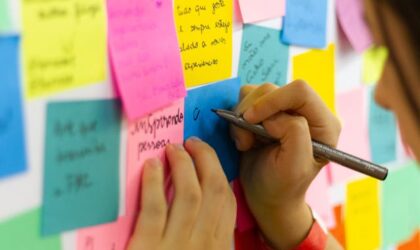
pixel 362 226
pixel 205 37
pixel 64 44
pixel 316 67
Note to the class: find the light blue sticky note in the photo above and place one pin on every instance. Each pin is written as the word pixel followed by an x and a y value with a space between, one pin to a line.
pixel 81 179
pixel 264 58
pixel 200 121
pixel 400 199
pixel 305 23
pixel 382 133
pixel 12 142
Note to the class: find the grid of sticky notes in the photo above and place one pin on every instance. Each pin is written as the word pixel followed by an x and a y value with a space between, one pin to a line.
pixel 90 89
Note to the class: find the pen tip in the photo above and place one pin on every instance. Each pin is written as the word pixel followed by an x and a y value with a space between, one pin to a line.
pixel 214 110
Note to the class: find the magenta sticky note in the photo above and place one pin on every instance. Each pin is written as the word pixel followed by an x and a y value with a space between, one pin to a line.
pixel 351 17
pixel 145 54
pixel 354 137
pixel 253 11
pixel 318 199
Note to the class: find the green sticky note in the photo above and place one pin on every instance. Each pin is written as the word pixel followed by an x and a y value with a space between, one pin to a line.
pixel 400 203
pixel 5 20
pixel 264 58
pixel 81 180
pixel 23 233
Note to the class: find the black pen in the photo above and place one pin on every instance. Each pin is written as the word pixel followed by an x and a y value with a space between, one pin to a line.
pixel 320 150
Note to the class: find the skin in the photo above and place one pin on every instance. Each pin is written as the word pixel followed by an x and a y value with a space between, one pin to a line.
pixel 275 178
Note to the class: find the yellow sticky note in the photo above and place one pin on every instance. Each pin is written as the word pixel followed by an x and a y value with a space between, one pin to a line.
pixel 316 67
pixel 64 45
pixel 205 38
pixel 362 215
pixel 373 64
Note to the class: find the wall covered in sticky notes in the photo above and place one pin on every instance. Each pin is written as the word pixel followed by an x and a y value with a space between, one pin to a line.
pixel 90 89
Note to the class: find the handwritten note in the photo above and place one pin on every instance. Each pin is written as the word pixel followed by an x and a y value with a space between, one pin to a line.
pixel 12 142
pixel 64 45
pixel 264 58
pixel 400 197
pixel 22 233
pixel 253 11
pixel 205 34
pixel 305 23
pixel 147 137
pixel 5 20
pixel 145 55
pixel 81 182
pixel 350 13
pixel 362 225
pixel 354 138
pixel 200 121
pixel 374 60
pixel 382 132
pixel 306 66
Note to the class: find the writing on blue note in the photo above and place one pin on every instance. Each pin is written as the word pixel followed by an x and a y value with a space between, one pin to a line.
pixel 264 58
pixel 201 122
pixel 81 179
pixel 12 142
pixel 305 23
pixel 382 133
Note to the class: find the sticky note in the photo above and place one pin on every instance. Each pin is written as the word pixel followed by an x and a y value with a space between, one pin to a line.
pixel 412 243
pixel 201 122
pixel 354 138
pixel 400 210
pixel 316 67
pixel 305 23
pixel 12 139
pixel 362 215
pixel 373 64
pixel 205 39
pixel 74 56
pixel 145 55
pixel 338 230
pixel 350 14
pixel 253 11
pixel 263 58
pixel 23 232
pixel 382 132
pixel 81 176
pixel 5 20
pixel 318 199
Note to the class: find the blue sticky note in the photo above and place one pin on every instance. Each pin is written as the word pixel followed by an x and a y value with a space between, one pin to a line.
pixel 382 133
pixel 81 179
pixel 12 142
pixel 264 58
pixel 305 23
pixel 201 122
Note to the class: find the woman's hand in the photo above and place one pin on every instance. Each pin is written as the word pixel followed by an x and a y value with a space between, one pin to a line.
pixel 275 177
pixel 203 212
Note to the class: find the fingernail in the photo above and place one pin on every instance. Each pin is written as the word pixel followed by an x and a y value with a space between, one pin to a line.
pixel 179 146
pixel 153 162
pixel 249 114
pixel 194 138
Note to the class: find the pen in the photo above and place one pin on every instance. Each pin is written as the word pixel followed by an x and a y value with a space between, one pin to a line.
pixel 320 150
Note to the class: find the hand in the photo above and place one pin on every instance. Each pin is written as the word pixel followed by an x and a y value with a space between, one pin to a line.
pixel 275 177
pixel 203 212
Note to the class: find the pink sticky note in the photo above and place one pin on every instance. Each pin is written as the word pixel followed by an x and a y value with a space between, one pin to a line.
pixel 253 11
pixel 145 54
pixel 351 16
pixel 318 199
pixel 147 138
pixel 354 137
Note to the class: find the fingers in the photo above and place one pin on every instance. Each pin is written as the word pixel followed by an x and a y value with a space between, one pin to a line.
pixel 187 197
pixel 214 185
pixel 152 218
pixel 227 220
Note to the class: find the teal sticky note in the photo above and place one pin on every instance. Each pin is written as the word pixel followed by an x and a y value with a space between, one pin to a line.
pixel 12 137
pixel 382 133
pixel 400 204
pixel 5 17
pixel 264 58
pixel 81 179
pixel 23 232
pixel 305 23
